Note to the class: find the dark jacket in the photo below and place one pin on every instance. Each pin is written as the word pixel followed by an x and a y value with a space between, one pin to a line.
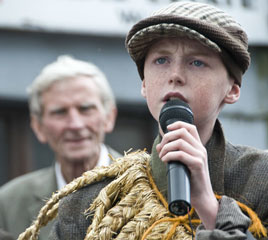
pixel 236 171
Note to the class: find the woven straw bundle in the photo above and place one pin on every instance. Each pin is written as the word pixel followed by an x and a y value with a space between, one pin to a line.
pixel 124 209
pixel 130 207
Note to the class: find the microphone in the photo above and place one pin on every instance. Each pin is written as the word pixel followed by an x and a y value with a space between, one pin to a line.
pixel 178 174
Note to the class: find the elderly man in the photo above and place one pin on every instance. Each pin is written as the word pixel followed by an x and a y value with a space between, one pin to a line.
pixel 72 108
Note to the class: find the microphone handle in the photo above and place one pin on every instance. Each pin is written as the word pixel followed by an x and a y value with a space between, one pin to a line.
pixel 178 188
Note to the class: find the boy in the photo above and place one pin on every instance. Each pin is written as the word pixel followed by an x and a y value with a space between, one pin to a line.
pixel 196 53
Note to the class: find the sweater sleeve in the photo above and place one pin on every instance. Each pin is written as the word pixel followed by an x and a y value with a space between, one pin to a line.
pixel 231 223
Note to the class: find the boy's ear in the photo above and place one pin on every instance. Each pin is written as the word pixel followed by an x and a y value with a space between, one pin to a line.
pixel 233 94
pixel 36 125
pixel 143 91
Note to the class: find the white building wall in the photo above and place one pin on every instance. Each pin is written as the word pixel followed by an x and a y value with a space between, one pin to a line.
pixel 245 122
pixel 94 30
pixel 115 17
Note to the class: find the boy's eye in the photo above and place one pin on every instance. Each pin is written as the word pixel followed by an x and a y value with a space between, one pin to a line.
pixel 198 63
pixel 161 60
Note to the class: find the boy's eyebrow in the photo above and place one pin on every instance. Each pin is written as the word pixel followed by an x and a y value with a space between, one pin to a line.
pixel 160 51
pixel 189 50
pixel 199 52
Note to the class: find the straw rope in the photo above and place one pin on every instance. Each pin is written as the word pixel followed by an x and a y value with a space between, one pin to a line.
pixel 138 208
pixel 130 207
pixel 50 209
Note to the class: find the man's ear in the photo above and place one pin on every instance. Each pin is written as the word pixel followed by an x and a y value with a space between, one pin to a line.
pixel 233 94
pixel 143 90
pixel 36 125
pixel 111 119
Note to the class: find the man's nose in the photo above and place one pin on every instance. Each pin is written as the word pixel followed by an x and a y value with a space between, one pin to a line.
pixel 75 120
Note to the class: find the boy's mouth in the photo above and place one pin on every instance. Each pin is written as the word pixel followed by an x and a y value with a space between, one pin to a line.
pixel 173 96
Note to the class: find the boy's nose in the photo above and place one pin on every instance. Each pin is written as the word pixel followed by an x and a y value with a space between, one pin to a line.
pixel 177 75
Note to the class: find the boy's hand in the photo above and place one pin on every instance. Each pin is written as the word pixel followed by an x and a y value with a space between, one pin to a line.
pixel 182 143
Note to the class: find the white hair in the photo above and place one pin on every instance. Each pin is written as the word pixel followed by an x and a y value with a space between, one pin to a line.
pixel 64 68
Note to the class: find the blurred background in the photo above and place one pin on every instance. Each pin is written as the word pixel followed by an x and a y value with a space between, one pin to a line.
pixel 34 32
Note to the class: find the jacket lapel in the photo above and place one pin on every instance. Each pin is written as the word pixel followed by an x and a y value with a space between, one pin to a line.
pixel 42 191
pixel 216 158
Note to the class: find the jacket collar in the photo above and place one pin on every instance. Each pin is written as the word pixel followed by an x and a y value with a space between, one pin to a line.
pixel 43 189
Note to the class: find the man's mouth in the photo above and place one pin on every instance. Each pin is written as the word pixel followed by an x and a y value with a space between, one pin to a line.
pixel 76 140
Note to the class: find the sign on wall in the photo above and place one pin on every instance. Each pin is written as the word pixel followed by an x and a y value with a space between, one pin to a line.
pixel 115 17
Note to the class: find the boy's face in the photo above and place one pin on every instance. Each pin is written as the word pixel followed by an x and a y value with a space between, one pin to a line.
pixel 185 69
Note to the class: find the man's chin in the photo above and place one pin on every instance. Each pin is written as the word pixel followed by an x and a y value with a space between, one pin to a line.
pixel 77 157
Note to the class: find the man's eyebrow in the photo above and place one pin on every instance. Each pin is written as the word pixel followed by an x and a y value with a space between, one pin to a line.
pixel 87 104
pixel 55 109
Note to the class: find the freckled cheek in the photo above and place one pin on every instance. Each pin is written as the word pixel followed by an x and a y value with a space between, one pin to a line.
pixel 200 98
pixel 154 83
pixel 160 74
pixel 153 99
pixel 153 72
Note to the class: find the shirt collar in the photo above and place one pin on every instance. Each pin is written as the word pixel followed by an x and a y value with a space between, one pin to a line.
pixel 104 159
pixel 59 177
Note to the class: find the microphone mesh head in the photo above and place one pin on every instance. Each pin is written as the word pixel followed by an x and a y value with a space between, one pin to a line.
pixel 175 110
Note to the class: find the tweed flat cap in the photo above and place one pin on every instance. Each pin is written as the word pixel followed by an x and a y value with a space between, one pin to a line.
pixel 205 23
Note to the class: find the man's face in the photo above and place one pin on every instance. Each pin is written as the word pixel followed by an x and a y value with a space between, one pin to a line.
pixel 185 69
pixel 74 121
